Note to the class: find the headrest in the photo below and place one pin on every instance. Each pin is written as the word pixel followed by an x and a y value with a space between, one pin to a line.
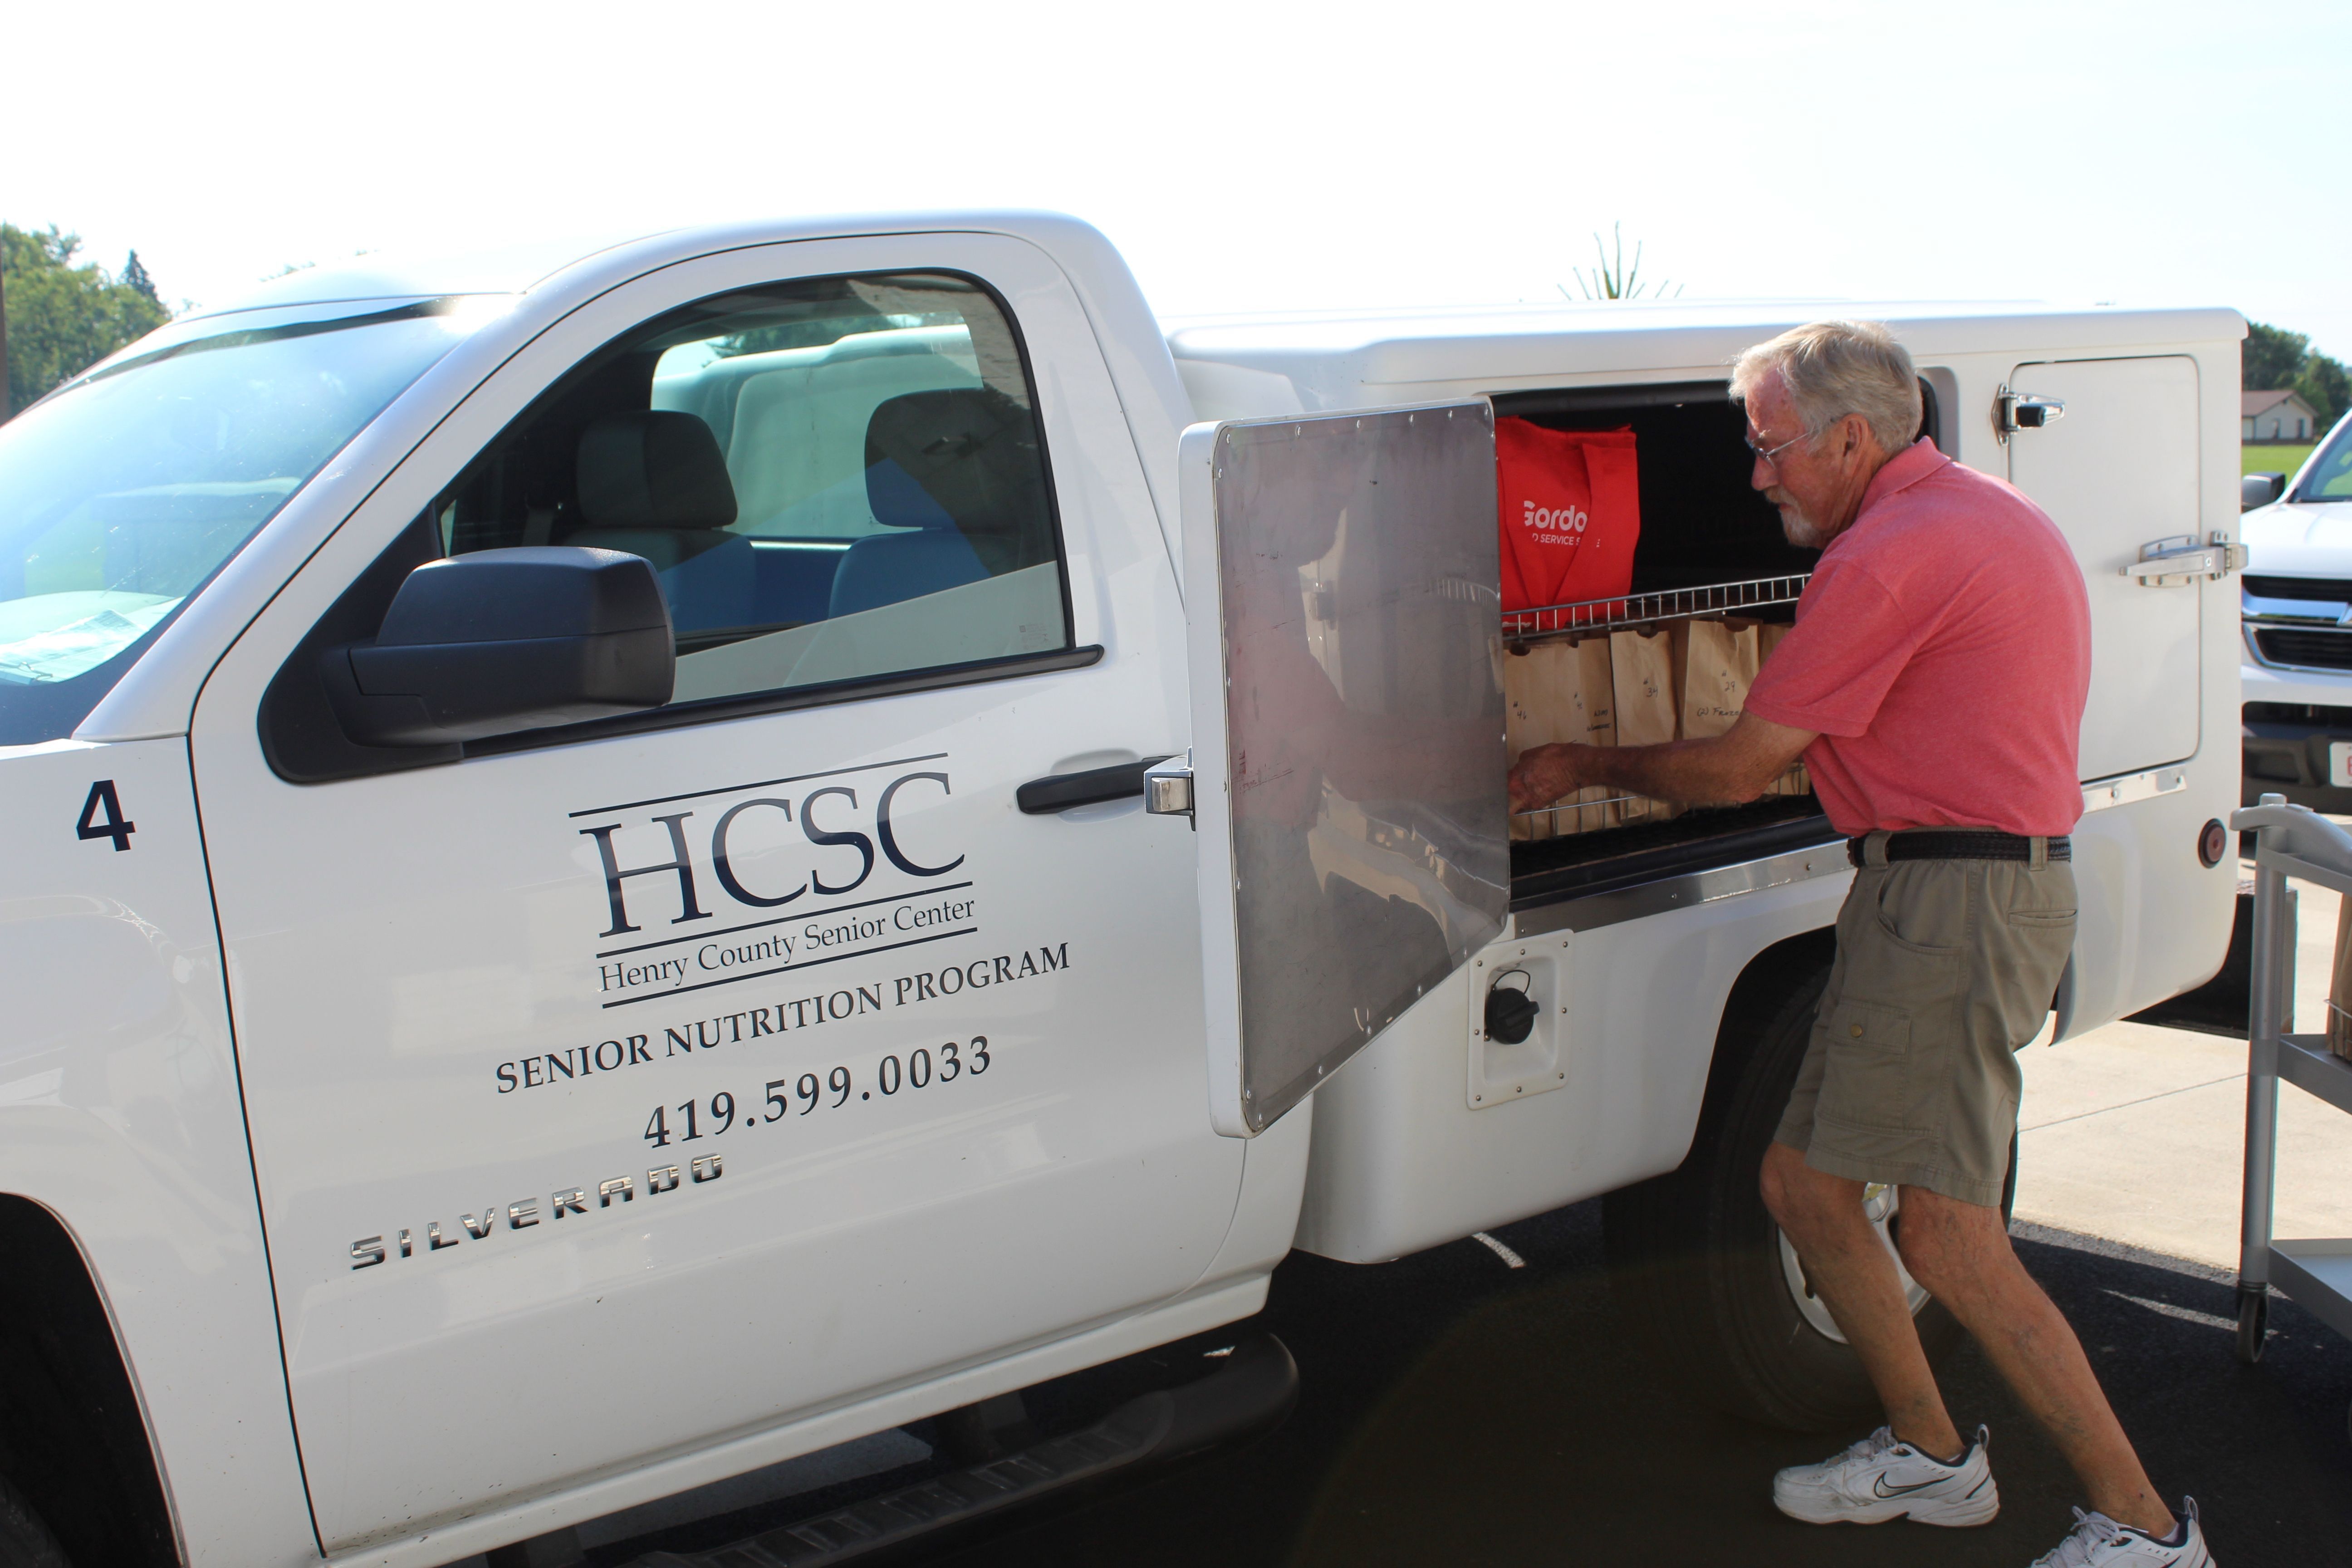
pixel 956 457
pixel 653 468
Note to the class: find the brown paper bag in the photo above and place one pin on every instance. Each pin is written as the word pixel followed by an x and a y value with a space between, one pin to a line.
pixel 1596 712
pixel 1539 709
pixel 1718 666
pixel 1767 637
pixel 1558 691
pixel 2339 984
pixel 1678 660
pixel 1641 675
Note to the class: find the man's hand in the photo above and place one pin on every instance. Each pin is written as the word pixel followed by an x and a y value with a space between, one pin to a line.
pixel 1738 765
pixel 1543 774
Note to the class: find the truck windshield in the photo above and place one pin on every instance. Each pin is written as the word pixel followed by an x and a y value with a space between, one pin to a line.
pixel 2329 477
pixel 123 492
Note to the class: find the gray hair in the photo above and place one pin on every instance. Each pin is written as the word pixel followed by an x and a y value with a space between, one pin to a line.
pixel 1833 369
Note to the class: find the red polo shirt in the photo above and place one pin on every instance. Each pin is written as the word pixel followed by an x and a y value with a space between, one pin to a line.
pixel 1943 651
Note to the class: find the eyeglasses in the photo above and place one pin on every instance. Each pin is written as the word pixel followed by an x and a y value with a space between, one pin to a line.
pixel 1765 455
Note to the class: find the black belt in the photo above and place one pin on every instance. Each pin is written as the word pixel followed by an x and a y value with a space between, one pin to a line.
pixel 1961 844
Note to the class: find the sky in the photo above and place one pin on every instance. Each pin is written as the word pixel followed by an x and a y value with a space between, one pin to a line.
pixel 1265 155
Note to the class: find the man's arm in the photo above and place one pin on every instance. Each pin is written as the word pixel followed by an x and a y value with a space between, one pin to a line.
pixel 1738 765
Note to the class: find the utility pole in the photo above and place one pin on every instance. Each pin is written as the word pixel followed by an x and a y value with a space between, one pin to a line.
pixel 4 409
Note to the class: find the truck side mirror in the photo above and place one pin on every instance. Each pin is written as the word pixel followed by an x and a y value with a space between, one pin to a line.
pixel 2260 489
pixel 502 640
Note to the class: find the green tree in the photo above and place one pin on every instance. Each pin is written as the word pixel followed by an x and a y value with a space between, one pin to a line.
pixel 2271 358
pixel 135 277
pixel 63 317
pixel 2275 359
pixel 2327 386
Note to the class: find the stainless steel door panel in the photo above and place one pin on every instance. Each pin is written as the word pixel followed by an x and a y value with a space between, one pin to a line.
pixel 1348 723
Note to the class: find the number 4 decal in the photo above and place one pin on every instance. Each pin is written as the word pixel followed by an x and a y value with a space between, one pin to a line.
pixel 110 825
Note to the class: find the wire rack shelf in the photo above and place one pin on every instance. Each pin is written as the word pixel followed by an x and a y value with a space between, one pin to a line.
pixel 1561 815
pixel 1551 815
pixel 1639 609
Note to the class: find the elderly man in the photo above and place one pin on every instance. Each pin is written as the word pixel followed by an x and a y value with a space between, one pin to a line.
pixel 1934 684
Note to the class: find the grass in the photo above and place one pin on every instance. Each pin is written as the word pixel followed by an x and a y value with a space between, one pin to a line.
pixel 2274 459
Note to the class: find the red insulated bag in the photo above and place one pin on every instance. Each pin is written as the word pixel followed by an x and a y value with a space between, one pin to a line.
pixel 1572 512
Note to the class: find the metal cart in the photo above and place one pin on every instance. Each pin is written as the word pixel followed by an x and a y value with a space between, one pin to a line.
pixel 2289 841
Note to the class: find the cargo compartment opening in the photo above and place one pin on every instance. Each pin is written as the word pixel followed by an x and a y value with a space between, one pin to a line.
pixel 1701 522
pixel 1710 548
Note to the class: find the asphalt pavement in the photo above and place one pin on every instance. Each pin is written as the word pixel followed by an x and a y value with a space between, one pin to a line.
pixel 1455 1411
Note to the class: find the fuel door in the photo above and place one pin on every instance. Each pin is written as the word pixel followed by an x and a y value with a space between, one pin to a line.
pixel 1348 761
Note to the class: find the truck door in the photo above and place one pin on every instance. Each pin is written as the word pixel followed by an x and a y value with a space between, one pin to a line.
pixel 2117 471
pixel 621 1089
pixel 1347 754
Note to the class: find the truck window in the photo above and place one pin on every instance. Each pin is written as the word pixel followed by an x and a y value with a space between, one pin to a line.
pixel 124 491
pixel 834 479
pixel 2329 477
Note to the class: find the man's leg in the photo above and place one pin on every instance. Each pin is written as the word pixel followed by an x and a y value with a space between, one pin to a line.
pixel 1960 1253
pixel 1853 1275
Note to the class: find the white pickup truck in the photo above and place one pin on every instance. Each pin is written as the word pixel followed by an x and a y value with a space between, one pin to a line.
pixel 2298 616
pixel 482 739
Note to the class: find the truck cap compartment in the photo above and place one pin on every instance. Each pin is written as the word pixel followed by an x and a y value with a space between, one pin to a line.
pixel 1710 546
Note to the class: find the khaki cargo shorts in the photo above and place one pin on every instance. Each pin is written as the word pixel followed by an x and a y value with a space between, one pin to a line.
pixel 1944 969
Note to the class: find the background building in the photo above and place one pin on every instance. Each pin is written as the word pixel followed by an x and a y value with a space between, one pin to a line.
pixel 2280 415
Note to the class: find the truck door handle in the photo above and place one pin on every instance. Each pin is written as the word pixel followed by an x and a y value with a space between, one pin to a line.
pixel 1168 788
pixel 2183 560
pixel 1059 792
pixel 2015 411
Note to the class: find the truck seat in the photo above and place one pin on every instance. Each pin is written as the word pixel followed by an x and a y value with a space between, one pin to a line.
pixel 798 431
pixel 957 469
pixel 652 483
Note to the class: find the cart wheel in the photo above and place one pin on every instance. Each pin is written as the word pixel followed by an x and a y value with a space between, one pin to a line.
pixel 2253 1322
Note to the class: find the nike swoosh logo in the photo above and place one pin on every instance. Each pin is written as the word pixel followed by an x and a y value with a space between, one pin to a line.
pixel 1882 1489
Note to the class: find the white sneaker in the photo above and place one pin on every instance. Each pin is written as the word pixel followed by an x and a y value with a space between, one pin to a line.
pixel 2098 1542
pixel 1879 1479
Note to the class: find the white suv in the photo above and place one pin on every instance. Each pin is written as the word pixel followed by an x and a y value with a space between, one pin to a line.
pixel 2298 614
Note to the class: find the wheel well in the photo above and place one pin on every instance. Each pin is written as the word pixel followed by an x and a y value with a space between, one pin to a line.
pixel 71 1438
pixel 1766 978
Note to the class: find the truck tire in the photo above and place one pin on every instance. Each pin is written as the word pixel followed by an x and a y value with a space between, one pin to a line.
pixel 25 1541
pixel 1700 1269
